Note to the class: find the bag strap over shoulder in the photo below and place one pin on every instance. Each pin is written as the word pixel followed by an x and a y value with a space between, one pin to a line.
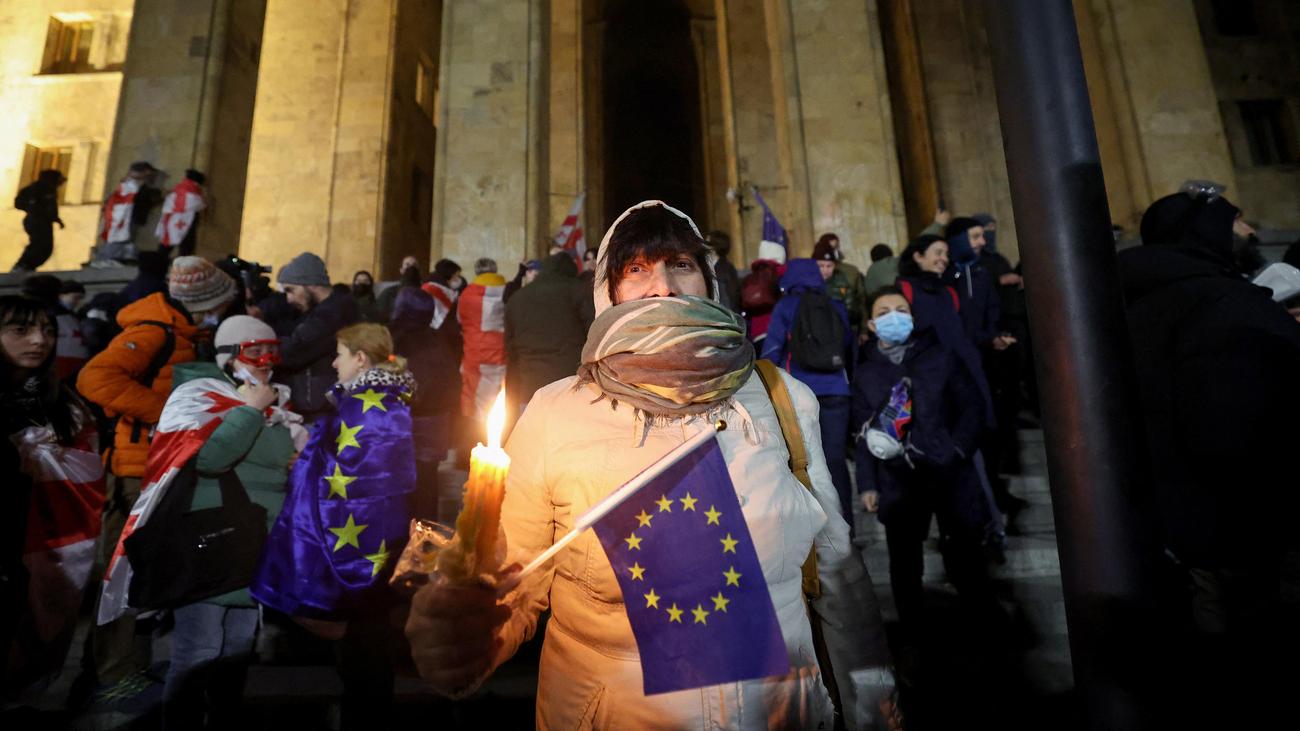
pixel 789 420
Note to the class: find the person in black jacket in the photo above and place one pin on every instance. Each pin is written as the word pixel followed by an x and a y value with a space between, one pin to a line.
pixel 307 355
pixel 1216 363
pixel 917 416
pixel 40 201
pixel 546 327
pixel 728 277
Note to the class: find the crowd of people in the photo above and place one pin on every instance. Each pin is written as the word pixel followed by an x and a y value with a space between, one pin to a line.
pixel 309 422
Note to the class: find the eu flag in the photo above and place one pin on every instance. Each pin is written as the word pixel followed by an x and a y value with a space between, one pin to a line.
pixel 691 581
pixel 774 238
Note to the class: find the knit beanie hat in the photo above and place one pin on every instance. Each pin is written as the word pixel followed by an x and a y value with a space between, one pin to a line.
pixel 199 285
pixel 823 251
pixel 305 269
pixel 959 226
pixel 239 329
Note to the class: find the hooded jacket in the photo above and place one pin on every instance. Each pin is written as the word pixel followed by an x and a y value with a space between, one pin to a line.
pixel 307 355
pixel 1216 361
pixel 801 276
pixel 113 378
pixel 546 327
pixel 567 452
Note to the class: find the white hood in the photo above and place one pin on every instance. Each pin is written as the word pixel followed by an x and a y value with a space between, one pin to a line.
pixel 601 283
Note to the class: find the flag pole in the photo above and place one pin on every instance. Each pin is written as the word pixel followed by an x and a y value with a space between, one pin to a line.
pixel 616 498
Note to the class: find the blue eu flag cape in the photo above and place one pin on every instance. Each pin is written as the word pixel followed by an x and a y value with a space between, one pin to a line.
pixel 691 581
pixel 345 520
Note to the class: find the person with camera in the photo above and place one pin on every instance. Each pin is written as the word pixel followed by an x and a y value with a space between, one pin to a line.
pixel 308 353
pixel 212 642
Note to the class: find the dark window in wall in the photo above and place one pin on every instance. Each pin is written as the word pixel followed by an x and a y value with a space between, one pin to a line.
pixel 36 159
pixel 67 47
pixel 1270 132
pixel 421 199
pixel 1235 17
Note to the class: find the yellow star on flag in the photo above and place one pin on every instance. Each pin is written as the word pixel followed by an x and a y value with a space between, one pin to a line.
pixel 675 614
pixel 720 602
pixel 633 542
pixel 348 534
pixel 700 614
pixel 665 505
pixel 729 544
pixel 339 483
pixel 638 573
pixel 379 558
pixel 652 600
pixel 733 576
pixel 347 436
pixel 713 514
pixel 644 519
pixel 688 502
pixel 370 398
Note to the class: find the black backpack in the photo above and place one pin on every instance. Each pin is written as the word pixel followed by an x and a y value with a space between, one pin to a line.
pixel 816 339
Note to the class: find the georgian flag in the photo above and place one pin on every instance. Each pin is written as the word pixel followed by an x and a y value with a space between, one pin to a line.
pixel 570 236
pixel 193 412
pixel 179 211
pixel 444 298
pixel 63 522
pixel 115 225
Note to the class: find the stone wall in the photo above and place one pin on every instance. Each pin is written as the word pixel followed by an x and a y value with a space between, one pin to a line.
pixel 74 111
pixel 316 162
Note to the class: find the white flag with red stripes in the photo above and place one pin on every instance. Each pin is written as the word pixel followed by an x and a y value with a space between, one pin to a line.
pixel 193 411
pixel 570 236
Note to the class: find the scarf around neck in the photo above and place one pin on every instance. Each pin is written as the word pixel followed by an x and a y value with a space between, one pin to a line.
pixel 667 356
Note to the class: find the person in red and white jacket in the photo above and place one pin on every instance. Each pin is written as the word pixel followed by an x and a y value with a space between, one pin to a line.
pixel 482 315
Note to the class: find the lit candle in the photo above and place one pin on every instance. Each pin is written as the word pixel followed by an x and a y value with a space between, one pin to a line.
pixel 473 550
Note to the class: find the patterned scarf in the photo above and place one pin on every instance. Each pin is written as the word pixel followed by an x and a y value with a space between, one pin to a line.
pixel 667 356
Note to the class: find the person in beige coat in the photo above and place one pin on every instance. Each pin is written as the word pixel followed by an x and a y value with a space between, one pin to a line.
pixel 582 437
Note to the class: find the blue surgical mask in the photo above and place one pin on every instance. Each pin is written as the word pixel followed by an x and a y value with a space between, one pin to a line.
pixel 210 321
pixel 894 327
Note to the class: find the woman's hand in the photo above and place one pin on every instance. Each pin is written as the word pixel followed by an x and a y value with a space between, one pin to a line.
pixel 871 501
pixel 453 633
pixel 260 396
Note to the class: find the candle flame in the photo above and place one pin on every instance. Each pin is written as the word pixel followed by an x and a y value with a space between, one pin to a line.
pixel 496 421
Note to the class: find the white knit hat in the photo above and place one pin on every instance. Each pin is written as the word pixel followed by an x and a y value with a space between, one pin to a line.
pixel 239 329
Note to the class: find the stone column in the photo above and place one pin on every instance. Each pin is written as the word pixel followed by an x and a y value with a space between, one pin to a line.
pixel 487 137
pixel 841 127
pixel 1159 109
pixel 316 167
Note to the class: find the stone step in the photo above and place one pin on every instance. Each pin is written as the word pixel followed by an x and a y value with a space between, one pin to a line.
pixel 1028 556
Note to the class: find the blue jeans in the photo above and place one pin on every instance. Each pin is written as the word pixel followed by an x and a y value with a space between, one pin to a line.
pixel 212 647
pixel 835 437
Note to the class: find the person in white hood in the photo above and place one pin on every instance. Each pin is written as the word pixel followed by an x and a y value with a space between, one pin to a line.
pixel 582 437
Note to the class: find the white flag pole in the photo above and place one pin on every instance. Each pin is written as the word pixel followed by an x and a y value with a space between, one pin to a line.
pixel 616 498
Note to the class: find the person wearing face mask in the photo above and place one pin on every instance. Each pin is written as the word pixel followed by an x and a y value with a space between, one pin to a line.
pixel 212 640
pixel 917 420
pixel 51 501
pixel 130 380
pixel 663 360
pixel 363 293
pixel 306 354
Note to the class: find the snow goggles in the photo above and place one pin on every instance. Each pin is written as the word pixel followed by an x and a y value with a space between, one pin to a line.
pixel 256 353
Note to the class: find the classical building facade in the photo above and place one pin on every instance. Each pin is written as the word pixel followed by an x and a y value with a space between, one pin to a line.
pixel 366 130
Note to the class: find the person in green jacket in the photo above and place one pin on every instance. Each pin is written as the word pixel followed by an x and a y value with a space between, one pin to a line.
pixel 843 280
pixel 212 642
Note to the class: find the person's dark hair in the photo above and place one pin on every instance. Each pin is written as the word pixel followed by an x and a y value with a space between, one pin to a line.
pixel 881 251
pixel 656 234
pixel 369 276
pixel 43 288
pixel 72 286
pixel 959 225
pixel 827 238
pixel 720 242
pixel 51 177
pixel 153 262
pixel 907 266
pixel 884 291
pixel 411 277
pixel 342 288
pixel 446 269
pixel 15 310
pixel 196 176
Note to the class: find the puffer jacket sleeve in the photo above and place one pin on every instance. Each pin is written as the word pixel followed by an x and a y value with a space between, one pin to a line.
pixel 847 607
pixel 527 519
pixel 111 378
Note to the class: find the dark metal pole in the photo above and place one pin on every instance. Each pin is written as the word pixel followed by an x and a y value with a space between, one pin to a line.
pixel 1091 422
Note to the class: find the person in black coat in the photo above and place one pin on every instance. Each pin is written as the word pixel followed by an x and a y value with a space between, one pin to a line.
pixel 917 416
pixel 546 327
pixel 307 355
pixel 40 201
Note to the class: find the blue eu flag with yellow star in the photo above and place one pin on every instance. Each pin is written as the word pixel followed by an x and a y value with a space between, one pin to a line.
pixel 691 581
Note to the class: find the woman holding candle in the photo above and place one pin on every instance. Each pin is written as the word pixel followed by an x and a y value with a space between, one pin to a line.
pixel 582 437
pixel 328 558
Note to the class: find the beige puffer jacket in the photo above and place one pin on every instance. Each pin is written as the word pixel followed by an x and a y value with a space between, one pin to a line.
pixel 568 452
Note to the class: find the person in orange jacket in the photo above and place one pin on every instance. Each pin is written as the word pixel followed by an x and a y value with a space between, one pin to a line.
pixel 482 314
pixel 131 380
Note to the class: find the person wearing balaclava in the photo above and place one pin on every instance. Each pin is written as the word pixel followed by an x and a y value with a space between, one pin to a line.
pixel 1216 361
